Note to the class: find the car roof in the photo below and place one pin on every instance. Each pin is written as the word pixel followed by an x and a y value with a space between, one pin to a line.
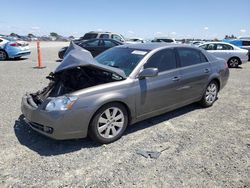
pixel 153 45
pixel 216 43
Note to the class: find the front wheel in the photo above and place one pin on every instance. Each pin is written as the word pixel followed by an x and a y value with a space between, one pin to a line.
pixel 210 94
pixel 109 123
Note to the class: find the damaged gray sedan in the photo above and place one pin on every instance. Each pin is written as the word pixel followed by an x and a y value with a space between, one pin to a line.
pixel 126 84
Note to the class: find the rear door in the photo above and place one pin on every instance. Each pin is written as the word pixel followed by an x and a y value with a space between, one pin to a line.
pixel 195 70
pixel 159 92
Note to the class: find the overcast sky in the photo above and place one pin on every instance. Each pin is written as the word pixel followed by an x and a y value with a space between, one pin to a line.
pixel 141 18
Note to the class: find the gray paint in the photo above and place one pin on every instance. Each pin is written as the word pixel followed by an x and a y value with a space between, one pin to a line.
pixel 143 97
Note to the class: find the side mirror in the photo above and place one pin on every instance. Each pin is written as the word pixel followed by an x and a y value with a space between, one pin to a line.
pixel 148 72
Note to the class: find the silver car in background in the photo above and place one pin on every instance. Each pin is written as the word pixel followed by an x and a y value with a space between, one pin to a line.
pixel 123 85
pixel 233 55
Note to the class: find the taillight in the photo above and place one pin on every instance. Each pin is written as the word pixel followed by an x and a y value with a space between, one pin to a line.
pixel 14 44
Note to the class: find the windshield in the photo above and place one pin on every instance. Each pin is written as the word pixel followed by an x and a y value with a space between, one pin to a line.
pixel 125 59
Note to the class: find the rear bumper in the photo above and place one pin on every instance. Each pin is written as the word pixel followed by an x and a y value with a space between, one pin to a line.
pixel 13 54
pixel 59 125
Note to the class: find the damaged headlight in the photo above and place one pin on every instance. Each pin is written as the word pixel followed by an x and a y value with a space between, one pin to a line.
pixel 61 103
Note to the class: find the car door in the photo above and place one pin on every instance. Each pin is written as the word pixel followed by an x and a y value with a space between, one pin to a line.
pixel 160 92
pixel 224 51
pixel 194 73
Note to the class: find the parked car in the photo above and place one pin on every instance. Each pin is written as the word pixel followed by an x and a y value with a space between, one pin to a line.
pixel 101 35
pixel 123 85
pixel 13 49
pixel 243 42
pixel 167 40
pixel 95 46
pixel 233 55
pixel 135 41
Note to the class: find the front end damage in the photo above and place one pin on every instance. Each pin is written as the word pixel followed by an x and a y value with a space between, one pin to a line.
pixel 77 71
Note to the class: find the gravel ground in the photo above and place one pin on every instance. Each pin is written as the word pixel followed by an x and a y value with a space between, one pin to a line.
pixel 204 147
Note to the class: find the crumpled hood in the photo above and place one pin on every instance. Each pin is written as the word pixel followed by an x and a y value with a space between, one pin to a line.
pixel 78 57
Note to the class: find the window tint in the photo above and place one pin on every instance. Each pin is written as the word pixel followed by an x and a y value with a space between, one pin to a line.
pixel 190 56
pixel 245 43
pixel 104 36
pixel 163 60
pixel 92 43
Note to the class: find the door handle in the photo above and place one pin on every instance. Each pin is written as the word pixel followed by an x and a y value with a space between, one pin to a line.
pixel 176 78
pixel 206 70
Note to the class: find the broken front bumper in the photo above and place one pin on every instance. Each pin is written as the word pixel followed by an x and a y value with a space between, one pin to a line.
pixel 58 125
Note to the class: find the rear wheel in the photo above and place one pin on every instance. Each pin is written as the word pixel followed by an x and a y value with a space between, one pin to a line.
pixel 109 123
pixel 210 94
pixel 3 55
pixel 233 62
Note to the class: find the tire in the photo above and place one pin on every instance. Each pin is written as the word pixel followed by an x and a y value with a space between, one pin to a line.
pixel 210 94
pixel 3 55
pixel 233 62
pixel 107 127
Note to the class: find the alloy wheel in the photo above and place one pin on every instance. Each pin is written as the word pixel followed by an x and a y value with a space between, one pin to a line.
pixel 234 62
pixel 110 122
pixel 211 93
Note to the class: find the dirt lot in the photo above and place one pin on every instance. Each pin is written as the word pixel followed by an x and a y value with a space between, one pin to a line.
pixel 204 147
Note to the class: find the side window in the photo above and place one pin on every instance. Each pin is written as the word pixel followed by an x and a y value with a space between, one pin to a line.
pixel 219 47
pixel 1 40
pixel 190 56
pixel 245 43
pixel 211 47
pixel 204 46
pixel 163 60
pixel 92 43
pixel 203 57
pixel 224 47
pixel 116 37
pixel 104 36
pixel 108 43
pixel 227 47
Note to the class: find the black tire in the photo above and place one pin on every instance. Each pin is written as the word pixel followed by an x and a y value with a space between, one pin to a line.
pixel 233 62
pixel 3 55
pixel 208 97
pixel 94 124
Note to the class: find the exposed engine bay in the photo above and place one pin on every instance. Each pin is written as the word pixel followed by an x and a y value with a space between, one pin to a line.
pixel 70 80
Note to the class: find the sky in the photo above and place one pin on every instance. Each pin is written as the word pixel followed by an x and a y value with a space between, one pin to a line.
pixel 131 18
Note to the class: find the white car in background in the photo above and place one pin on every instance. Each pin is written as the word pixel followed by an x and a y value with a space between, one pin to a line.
pixel 234 55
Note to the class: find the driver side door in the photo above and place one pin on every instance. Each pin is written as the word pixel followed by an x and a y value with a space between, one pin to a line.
pixel 159 93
